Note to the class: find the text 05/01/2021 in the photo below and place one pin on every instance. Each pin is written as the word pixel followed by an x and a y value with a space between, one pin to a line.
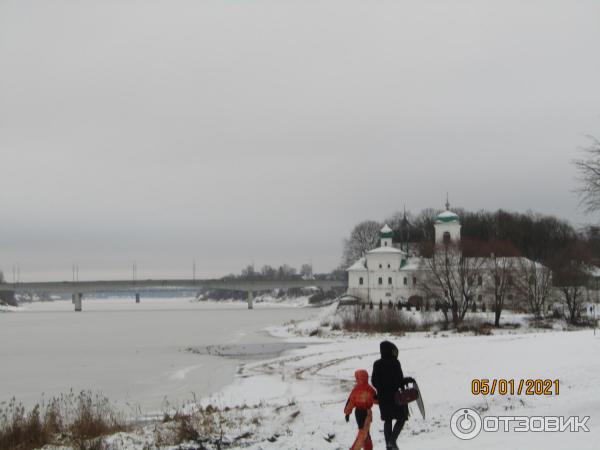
pixel 503 386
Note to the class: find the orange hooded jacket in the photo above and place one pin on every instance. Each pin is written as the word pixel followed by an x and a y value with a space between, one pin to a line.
pixel 363 396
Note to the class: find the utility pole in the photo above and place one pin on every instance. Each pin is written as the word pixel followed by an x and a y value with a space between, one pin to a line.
pixel 134 278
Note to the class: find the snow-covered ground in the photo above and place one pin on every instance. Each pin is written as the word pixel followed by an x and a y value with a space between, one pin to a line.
pixel 295 400
pixel 302 393
pixel 8 308
pixel 136 354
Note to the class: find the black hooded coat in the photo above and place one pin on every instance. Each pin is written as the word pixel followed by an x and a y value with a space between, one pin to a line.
pixel 387 378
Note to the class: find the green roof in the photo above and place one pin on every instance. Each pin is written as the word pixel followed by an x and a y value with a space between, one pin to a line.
pixel 447 216
pixel 386 232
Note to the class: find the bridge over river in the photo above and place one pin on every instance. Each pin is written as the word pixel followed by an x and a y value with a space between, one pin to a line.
pixel 78 288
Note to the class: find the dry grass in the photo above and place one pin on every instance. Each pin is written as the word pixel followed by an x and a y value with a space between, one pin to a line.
pixel 75 419
pixel 546 323
pixel 217 427
pixel 477 327
pixel 386 320
pixel 93 417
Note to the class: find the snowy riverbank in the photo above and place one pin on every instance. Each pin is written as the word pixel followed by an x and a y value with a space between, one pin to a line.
pixel 295 401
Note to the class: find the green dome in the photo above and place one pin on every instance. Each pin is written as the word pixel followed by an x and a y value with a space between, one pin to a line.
pixel 386 232
pixel 446 216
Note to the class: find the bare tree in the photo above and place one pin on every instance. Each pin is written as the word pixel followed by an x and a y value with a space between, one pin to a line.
pixel 306 271
pixel 268 272
pixel 533 282
pixel 424 222
pixel 286 272
pixel 248 272
pixel 364 237
pixel 397 220
pixel 451 276
pixel 499 269
pixel 571 277
pixel 589 176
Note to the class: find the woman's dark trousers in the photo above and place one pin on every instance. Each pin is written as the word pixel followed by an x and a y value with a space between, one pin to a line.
pixel 390 432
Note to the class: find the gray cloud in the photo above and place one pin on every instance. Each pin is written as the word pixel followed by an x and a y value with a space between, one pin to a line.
pixel 233 132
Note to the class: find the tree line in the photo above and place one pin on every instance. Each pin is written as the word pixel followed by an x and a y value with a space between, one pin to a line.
pixel 536 236
pixel 267 272
pixel 539 258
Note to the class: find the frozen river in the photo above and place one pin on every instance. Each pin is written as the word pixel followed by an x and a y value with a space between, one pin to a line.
pixel 134 354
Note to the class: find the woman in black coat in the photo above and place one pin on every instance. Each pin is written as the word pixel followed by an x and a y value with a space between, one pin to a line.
pixel 387 378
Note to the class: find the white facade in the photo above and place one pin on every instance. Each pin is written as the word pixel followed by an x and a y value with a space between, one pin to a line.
pixel 447 227
pixel 389 274
pixel 384 276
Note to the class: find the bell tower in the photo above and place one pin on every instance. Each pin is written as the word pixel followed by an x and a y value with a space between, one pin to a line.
pixel 447 226
pixel 385 235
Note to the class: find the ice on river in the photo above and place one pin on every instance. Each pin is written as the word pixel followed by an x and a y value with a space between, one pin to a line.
pixel 136 354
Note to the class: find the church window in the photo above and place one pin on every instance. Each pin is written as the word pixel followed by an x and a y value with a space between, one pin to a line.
pixel 380 280
pixel 479 280
pixel 361 281
pixel 389 266
pixel 447 237
pixel 385 243
pixel 414 281
pixel 380 266
pixel 405 281
pixel 480 297
pixel 389 280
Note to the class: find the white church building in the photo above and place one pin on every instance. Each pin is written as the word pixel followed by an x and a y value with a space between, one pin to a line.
pixel 387 273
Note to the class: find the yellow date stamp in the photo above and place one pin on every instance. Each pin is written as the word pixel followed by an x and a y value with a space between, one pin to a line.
pixel 502 386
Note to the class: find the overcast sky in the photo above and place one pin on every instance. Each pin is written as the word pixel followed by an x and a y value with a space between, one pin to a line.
pixel 261 131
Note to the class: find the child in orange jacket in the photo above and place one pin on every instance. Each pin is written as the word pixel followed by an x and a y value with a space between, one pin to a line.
pixel 362 398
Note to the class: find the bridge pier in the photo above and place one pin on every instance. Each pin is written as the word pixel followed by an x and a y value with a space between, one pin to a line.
pixel 137 297
pixel 77 301
pixel 250 300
